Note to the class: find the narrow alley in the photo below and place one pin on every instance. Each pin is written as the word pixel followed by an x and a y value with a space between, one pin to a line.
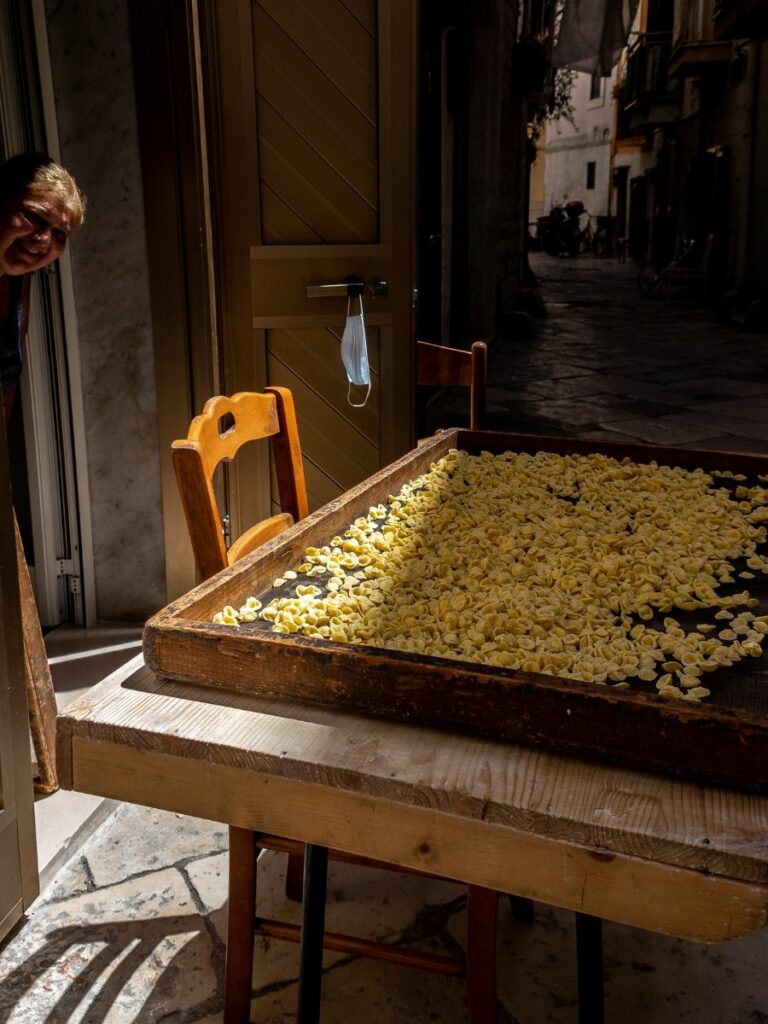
pixel 609 363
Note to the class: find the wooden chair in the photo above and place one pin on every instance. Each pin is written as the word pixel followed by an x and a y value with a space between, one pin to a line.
pixel 441 366
pixel 195 458
pixel 224 426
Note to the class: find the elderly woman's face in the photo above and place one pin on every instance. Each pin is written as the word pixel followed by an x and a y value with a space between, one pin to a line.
pixel 33 233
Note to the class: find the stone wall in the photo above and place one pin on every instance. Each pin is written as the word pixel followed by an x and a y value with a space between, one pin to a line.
pixel 93 86
pixel 571 147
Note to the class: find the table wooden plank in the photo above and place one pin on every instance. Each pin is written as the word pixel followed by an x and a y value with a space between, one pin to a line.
pixel 649 895
pixel 532 792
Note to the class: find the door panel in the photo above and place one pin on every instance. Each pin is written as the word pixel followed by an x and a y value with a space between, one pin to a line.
pixel 314 355
pixel 326 143
pixel 316 109
pixel 18 853
pixel 328 437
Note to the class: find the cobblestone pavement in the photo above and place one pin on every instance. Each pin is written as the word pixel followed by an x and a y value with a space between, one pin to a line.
pixel 132 930
pixel 609 363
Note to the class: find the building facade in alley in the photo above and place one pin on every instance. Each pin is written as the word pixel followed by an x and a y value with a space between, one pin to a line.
pixel 691 149
pixel 673 147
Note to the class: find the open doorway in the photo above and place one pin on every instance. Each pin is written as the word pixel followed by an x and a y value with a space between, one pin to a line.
pixel 42 427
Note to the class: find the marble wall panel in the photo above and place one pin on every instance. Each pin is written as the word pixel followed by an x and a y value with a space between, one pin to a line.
pixel 93 84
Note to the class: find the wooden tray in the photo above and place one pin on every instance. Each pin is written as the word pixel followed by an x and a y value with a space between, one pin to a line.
pixel 711 741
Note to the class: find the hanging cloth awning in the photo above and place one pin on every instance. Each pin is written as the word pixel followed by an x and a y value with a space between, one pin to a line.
pixel 593 33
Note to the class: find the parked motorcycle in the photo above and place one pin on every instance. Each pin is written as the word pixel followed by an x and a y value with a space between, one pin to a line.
pixel 561 232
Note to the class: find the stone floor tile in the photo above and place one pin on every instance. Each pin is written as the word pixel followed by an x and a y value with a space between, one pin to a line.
pixel 132 952
pixel 669 396
pixel 578 387
pixel 579 413
pixel 615 384
pixel 147 840
pixel 656 978
pixel 719 424
pixel 754 408
pixel 605 435
pixel 719 385
pixel 665 430
pixel 732 443
pixel 72 880
pixel 209 881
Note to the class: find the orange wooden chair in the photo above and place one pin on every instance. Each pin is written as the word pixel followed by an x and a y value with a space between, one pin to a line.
pixel 442 366
pixel 224 426
pixel 247 416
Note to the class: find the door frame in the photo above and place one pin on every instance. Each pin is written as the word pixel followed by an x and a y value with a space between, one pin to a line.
pixel 232 120
pixel 168 62
pixel 192 61
pixel 68 344
pixel 54 428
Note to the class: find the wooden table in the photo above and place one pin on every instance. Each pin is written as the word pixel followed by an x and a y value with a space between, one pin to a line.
pixel 667 855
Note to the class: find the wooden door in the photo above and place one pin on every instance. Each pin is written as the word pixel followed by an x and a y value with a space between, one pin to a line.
pixel 315 124
pixel 18 854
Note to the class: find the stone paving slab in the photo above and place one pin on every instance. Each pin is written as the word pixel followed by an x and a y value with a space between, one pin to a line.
pixel 146 839
pixel 147 947
pixel 604 344
pixel 137 950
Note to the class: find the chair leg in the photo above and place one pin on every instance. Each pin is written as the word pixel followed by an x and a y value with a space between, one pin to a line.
pixel 312 935
pixel 482 912
pixel 521 908
pixel 589 961
pixel 294 878
pixel 240 936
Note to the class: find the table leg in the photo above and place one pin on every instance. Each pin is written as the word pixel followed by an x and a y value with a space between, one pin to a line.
pixel 312 933
pixel 238 967
pixel 589 959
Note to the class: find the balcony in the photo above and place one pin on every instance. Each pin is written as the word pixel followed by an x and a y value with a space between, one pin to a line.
pixel 739 19
pixel 699 59
pixel 648 97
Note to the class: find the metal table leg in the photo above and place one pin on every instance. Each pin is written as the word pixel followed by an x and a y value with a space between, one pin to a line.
pixel 589 959
pixel 312 932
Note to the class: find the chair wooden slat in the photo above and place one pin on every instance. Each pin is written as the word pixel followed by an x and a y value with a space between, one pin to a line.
pixel 443 366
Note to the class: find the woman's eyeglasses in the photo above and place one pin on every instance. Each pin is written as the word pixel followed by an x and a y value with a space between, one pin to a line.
pixel 41 224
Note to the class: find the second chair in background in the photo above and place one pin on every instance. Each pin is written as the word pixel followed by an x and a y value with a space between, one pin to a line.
pixel 443 366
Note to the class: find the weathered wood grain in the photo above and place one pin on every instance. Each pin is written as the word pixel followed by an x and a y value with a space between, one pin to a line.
pixel 645 730
pixel 643 893
pixel 530 792
pixel 41 699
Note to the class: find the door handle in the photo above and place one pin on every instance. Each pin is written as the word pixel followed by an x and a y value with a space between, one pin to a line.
pixel 326 291
pixel 352 287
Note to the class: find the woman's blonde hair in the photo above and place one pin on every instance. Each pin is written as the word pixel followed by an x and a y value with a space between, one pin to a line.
pixel 37 176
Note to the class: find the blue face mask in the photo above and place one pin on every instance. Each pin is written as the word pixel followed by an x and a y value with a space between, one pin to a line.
pixel 354 354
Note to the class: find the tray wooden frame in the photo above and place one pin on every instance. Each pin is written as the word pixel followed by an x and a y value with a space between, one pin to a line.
pixel 627 727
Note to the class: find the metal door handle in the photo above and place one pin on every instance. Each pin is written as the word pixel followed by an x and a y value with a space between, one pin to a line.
pixel 326 291
pixel 352 287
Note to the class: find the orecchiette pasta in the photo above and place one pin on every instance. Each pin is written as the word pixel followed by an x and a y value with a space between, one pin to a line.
pixel 543 563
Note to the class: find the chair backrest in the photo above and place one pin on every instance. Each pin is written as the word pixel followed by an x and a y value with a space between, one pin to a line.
pixel 217 434
pixel 455 367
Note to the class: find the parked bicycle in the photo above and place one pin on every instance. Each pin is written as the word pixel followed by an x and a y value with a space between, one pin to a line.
pixel 652 280
pixel 595 235
pixel 561 233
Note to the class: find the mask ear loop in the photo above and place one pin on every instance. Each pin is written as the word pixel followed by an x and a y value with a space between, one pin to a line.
pixel 356 405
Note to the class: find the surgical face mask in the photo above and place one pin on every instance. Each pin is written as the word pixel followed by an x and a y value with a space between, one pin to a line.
pixel 354 354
